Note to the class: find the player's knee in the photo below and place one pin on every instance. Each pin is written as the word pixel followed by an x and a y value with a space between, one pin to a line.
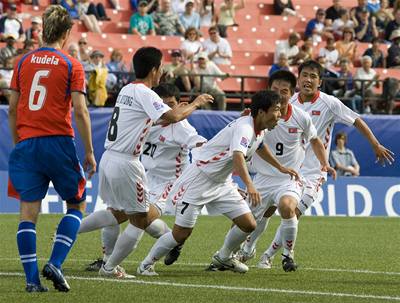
pixel 249 226
pixel 180 234
pixel 287 208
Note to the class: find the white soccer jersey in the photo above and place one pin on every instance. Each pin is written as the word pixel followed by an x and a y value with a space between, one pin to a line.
pixel 166 149
pixel 215 157
pixel 324 110
pixel 136 108
pixel 287 142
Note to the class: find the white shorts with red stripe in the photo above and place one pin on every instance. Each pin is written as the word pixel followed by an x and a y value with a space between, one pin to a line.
pixel 158 194
pixel 194 190
pixel 122 182
pixel 312 190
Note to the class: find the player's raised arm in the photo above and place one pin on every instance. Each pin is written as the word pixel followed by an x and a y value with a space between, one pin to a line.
pixel 319 151
pixel 382 153
pixel 12 115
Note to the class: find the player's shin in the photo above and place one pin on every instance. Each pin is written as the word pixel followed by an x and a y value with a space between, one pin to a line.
pixel 157 228
pixel 251 242
pixel 276 244
pixel 233 239
pixel 289 234
pixel 160 249
pixel 109 236
pixel 97 220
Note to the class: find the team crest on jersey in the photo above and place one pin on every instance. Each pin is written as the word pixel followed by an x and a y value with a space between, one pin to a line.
pixel 161 138
pixel 316 113
pixel 293 130
pixel 244 142
pixel 158 105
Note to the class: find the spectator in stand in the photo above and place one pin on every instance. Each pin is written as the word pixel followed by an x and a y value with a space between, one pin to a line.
pixel 218 49
pixel 329 77
pixel 330 53
pixel 178 6
pixel 333 12
pixel 316 27
pixel 6 74
pixel 97 91
pixel 227 12
pixel 73 50
pixel 378 59
pixel 342 22
pixel 289 47
pixel 305 52
pixel 393 58
pixel 166 21
pixel 86 7
pixel 284 8
pixel 29 45
pixel 208 16
pixel 281 65
pixel 117 68
pixel 345 88
pixel 343 159
pixel 191 46
pixel 35 31
pixel 10 25
pixel 209 84
pixel 83 53
pixel 383 16
pixel 392 25
pixel 8 50
pixel 365 88
pixel 141 23
pixel 373 6
pixel 355 12
pixel 366 29
pixel 177 73
pixel 347 47
pixel 190 18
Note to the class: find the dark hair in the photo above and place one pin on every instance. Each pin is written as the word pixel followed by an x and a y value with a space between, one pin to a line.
pixel 283 75
pixel 375 39
pixel 263 100
pixel 167 90
pixel 340 135
pixel 312 64
pixel 215 28
pixel 56 22
pixel 189 30
pixel 145 59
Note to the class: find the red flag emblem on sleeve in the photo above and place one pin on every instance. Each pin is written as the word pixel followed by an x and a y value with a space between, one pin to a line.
pixel 292 130
pixel 316 113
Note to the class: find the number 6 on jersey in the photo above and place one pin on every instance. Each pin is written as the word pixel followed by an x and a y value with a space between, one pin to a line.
pixel 37 104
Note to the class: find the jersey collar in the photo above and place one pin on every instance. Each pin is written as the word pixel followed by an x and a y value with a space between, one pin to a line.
pixel 313 100
pixel 288 114
pixel 139 82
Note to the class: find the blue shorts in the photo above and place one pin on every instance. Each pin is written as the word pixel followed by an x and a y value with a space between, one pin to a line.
pixel 35 162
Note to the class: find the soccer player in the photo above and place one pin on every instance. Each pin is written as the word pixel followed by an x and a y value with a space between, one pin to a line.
pixel 43 85
pixel 287 140
pixel 325 111
pixel 122 180
pixel 208 181
pixel 165 156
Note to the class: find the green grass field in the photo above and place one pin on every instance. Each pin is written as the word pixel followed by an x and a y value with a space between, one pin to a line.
pixel 340 260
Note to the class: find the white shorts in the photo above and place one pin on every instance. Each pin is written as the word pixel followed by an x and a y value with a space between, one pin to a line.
pixel 122 183
pixel 272 191
pixel 312 187
pixel 158 194
pixel 194 189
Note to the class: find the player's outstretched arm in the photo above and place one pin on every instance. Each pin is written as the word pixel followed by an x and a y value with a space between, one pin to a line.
pixel 12 115
pixel 382 153
pixel 83 123
pixel 182 112
pixel 267 156
pixel 240 167
pixel 319 151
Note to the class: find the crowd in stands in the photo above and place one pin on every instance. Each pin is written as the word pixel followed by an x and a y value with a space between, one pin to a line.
pixel 331 37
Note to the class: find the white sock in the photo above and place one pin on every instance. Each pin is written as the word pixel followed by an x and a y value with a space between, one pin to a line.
pixel 97 220
pixel 157 228
pixel 109 236
pixel 160 249
pixel 232 240
pixel 126 243
pixel 251 241
pixel 289 234
pixel 276 244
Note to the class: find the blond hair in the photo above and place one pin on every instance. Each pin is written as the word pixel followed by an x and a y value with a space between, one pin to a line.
pixel 56 22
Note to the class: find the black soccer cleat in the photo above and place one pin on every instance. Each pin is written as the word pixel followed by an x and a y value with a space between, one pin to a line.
pixel 173 255
pixel 50 272
pixel 288 264
pixel 36 288
pixel 95 265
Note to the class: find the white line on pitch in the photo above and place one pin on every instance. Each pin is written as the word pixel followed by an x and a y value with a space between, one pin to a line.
pixel 357 271
pixel 225 287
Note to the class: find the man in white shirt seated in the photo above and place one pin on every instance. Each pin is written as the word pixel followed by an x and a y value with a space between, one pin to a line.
pixel 288 47
pixel 218 49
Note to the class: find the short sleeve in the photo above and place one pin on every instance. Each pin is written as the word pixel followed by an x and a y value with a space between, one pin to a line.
pixel 342 113
pixel 186 135
pixel 241 139
pixel 310 132
pixel 78 78
pixel 152 104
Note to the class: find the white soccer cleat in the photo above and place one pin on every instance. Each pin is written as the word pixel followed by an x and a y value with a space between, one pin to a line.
pixel 229 264
pixel 244 256
pixel 146 270
pixel 265 262
pixel 117 273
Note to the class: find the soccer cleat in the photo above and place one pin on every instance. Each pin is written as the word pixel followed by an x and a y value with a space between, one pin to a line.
pixel 95 265
pixel 173 255
pixel 229 264
pixel 244 256
pixel 36 288
pixel 288 264
pixel 146 270
pixel 50 272
pixel 265 262
pixel 118 273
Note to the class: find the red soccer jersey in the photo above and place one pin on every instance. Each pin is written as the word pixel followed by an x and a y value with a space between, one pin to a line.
pixel 45 79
